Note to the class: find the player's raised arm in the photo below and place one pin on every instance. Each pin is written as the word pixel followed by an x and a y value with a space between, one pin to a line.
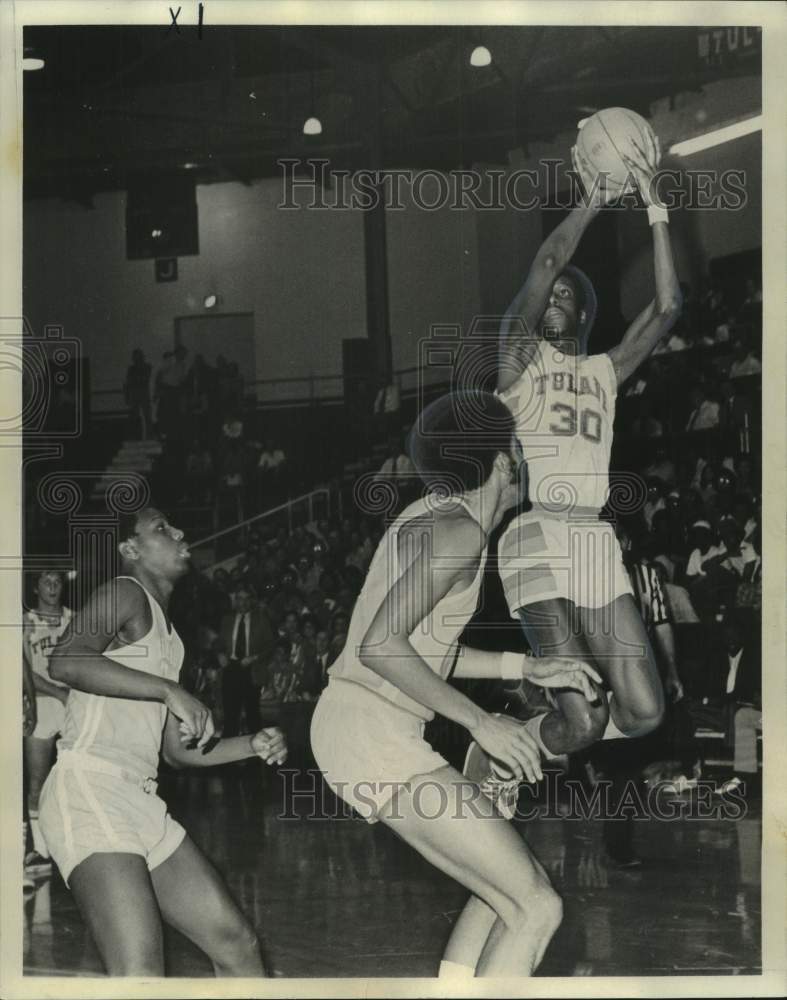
pixel 660 315
pixel 523 316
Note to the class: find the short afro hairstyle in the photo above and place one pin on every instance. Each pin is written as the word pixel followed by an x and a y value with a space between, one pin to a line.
pixel 128 522
pixel 456 438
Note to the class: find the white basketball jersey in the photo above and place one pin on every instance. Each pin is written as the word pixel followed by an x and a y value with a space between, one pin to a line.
pixel 564 409
pixel 435 638
pixel 125 731
pixel 41 635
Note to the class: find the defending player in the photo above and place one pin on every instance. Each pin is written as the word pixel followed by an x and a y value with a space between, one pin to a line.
pixel 367 732
pixel 560 566
pixel 42 626
pixel 128 863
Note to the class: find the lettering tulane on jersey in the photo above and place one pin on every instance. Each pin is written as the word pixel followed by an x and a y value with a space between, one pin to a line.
pixel 566 382
pixel 45 644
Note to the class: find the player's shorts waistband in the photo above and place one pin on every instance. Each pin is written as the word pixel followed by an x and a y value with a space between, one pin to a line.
pixel 71 759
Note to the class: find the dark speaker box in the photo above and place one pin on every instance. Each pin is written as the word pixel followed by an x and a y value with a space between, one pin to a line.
pixel 161 217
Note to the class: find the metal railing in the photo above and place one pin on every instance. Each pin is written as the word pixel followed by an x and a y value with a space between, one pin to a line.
pixel 300 390
pixel 222 549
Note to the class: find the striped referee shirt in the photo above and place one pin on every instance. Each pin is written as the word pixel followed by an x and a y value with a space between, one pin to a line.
pixel 648 594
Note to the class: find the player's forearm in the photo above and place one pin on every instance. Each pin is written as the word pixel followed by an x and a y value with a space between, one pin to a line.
pixel 665 643
pixel 225 751
pixel 637 328
pixel 46 687
pixel 28 684
pixel 562 242
pixel 653 324
pixel 96 674
pixel 553 255
pixel 669 298
pixel 400 664
pixel 479 664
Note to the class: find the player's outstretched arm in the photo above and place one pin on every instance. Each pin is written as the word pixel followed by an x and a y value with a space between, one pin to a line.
pixel 544 671
pixel 180 749
pixel 524 314
pixel 660 315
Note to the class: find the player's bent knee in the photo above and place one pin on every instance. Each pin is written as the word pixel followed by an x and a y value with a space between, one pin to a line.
pixel 536 907
pixel 648 712
pixel 234 944
pixel 587 725
pixel 550 912
pixel 539 915
pixel 593 725
pixel 656 717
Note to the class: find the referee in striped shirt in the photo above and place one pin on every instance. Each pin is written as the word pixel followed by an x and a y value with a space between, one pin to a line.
pixel 653 607
pixel 621 765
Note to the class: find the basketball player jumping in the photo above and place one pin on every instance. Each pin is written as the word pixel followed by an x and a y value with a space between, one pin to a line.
pixel 127 861
pixel 367 732
pixel 560 566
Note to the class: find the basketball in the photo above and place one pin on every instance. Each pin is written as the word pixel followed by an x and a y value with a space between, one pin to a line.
pixel 606 135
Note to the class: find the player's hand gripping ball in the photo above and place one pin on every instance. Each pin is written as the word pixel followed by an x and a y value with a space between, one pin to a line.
pixel 607 144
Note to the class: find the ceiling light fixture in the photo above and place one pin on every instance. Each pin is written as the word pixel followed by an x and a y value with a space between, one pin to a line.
pixel 480 56
pixel 312 126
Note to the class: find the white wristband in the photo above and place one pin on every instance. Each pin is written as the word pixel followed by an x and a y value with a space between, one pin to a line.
pixel 657 213
pixel 511 666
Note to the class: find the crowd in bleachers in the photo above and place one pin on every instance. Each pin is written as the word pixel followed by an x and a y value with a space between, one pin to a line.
pixel 690 424
pixel 262 634
pixel 211 457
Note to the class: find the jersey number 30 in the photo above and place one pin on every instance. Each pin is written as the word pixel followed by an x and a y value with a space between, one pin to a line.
pixel 589 422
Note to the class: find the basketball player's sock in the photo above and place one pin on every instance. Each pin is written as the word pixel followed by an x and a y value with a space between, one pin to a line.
pixel 612 732
pixel 39 844
pixel 453 970
pixel 533 726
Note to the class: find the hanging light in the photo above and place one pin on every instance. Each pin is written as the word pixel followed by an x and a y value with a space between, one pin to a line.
pixel 312 126
pixel 30 61
pixel 480 56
